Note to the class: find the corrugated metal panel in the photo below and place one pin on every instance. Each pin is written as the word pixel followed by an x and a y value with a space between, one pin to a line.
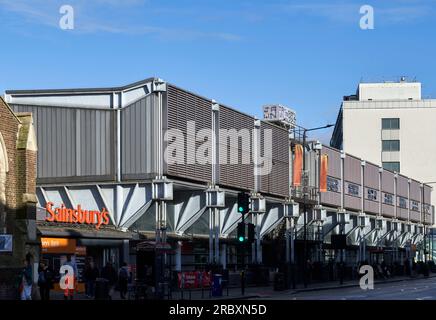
pixel 352 174
pixel 402 186
pixel 371 176
pixel 352 203
pixel 95 135
pixel 388 180
pixel 402 213
pixel 334 164
pixel 415 216
pixel 388 210
pixel 427 194
pixel 183 107
pixel 331 198
pixel 235 175
pixel 138 133
pixel 415 190
pixel 57 130
pixel 277 181
pixel 371 206
pixel 352 169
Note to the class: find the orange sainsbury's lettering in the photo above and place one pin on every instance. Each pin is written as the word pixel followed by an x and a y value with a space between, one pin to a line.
pixel 49 209
pixel 68 215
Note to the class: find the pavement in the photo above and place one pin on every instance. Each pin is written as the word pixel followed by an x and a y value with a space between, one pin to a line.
pixel 327 290
pixel 403 288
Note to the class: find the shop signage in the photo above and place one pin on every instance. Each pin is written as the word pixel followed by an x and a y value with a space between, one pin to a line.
pixel 6 242
pixel 66 215
pixel 58 245
pixel 193 279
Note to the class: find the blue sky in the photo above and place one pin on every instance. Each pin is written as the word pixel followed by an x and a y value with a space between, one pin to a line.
pixel 303 54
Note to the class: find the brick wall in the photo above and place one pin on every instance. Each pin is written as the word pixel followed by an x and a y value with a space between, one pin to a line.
pixel 20 205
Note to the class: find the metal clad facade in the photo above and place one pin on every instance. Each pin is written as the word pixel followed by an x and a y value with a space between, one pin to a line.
pixel 415 191
pixel 353 188
pixel 372 192
pixel 415 200
pixel 138 134
pixel 402 197
pixel 428 217
pixel 388 181
pixel 73 144
pixel 235 175
pixel 333 194
pixel 277 181
pixel 183 106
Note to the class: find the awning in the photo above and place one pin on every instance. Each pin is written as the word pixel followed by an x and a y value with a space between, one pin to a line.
pixel 153 246
pixel 80 231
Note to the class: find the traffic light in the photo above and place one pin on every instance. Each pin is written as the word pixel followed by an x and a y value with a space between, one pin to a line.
pixel 243 203
pixel 251 233
pixel 241 232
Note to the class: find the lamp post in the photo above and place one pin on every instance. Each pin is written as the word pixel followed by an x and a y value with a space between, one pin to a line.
pixel 305 185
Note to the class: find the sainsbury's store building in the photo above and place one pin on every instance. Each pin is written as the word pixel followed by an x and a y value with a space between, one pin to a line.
pixel 104 183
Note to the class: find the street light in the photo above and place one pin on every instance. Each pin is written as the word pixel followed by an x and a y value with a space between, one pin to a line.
pixel 305 195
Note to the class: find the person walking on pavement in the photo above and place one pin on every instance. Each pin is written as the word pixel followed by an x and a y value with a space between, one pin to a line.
pixel 110 275
pixel 90 275
pixel 26 280
pixel 123 279
pixel 73 265
pixel 45 281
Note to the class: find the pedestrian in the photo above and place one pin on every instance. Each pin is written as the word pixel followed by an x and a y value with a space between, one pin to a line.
pixel 123 279
pixel 45 281
pixel 110 275
pixel 90 275
pixel 73 265
pixel 26 281
pixel 309 270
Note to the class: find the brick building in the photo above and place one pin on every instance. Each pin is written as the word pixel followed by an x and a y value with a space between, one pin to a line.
pixel 18 232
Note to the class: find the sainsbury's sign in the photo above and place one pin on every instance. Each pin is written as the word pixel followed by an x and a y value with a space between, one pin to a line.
pixel 78 215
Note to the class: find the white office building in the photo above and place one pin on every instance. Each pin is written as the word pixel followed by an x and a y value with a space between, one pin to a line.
pixel 390 124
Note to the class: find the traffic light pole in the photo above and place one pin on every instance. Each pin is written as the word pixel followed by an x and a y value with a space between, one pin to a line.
pixel 244 244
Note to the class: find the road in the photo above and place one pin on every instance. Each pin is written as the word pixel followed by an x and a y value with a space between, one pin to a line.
pixel 419 289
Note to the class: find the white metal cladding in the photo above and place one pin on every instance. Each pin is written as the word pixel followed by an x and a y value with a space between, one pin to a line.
pixel 138 139
pixel 277 181
pixel 372 193
pixel 183 106
pixel 73 144
pixel 235 175
pixel 333 195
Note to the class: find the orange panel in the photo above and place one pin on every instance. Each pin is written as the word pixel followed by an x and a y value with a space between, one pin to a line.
pixel 298 165
pixel 58 245
pixel 323 173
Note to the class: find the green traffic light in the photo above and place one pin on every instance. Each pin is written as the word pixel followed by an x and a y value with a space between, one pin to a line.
pixel 241 239
pixel 240 209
